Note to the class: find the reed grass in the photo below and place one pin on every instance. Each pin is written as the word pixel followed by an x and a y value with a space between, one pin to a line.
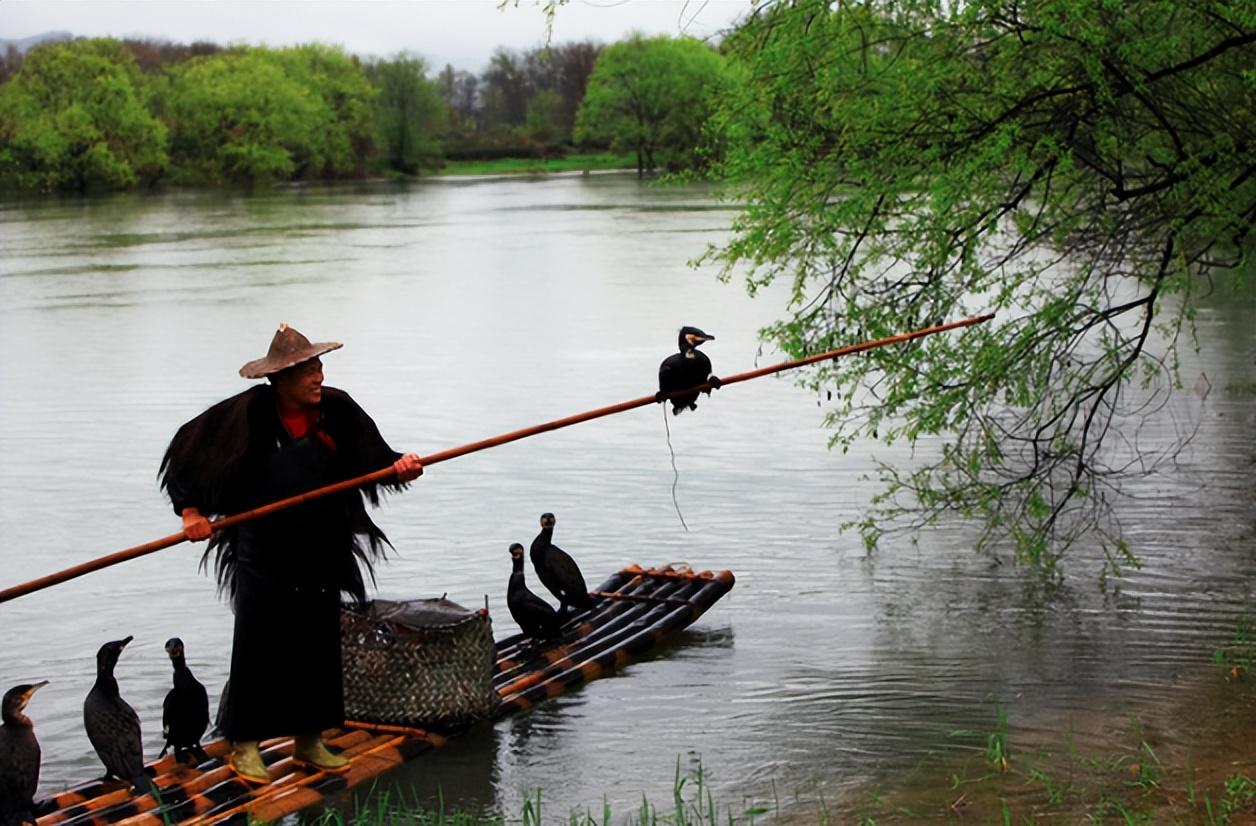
pixel 692 803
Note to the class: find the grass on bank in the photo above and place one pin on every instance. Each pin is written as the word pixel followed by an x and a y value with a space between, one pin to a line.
pixel 1123 787
pixel 692 804
pixel 537 166
pixel 1058 783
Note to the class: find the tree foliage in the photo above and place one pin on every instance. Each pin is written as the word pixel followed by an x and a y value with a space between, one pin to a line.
pixel 345 135
pixel 76 117
pixel 410 112
pixel 199 113
pixel 505 88
pixel 259 114
pixel 651 95
pixel 522 100
pixel 1079 168
pixel 559 76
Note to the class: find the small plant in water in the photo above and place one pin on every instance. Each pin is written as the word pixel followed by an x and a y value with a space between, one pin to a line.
pixel 1238 657
pixel 1058 790
pixel 996 751
pixel 1146 770
pixel 996 742
pixel 531 813
pixel 1240 795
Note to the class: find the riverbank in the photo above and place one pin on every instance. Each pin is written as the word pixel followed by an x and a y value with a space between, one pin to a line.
pixel 1148 765
pixel 585 162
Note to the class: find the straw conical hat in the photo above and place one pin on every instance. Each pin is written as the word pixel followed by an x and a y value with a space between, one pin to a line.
pixel 287 348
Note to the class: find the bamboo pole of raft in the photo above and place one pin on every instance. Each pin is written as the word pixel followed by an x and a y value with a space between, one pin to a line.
pixel 452 453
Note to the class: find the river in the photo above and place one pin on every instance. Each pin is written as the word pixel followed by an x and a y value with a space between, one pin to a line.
pixel 476 306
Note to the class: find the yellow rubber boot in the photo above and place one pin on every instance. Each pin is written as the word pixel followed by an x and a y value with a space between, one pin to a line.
pixel 246 760
pixel 309 748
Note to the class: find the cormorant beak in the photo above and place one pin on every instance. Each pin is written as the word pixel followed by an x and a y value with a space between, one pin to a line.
pixel 30 692
pixel 125 641
pixel 698 338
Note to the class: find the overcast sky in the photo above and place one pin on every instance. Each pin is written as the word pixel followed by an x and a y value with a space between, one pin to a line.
pixel 460 32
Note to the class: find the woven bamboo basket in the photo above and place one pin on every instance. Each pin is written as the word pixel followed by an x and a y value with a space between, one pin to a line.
pixel 423 663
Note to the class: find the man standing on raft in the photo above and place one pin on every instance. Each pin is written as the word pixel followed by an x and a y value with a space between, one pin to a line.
pixel 284 572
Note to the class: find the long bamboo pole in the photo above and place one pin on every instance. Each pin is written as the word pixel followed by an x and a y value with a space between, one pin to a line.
pixel 462 450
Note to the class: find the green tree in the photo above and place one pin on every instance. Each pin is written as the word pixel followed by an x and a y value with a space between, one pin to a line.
pixel 651 95
pixel 1079 168
pixel 410 112
pixel 238 116
pixel 75 117
pixel 346 135
pixel 545 116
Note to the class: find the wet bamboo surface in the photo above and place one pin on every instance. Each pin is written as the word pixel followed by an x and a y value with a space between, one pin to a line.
pixel 633 610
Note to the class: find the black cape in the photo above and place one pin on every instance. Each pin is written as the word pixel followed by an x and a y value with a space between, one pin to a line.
pixel 227 460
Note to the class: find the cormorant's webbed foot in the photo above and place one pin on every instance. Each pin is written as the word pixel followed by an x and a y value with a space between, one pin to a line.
pixel 715 382
pixel 660 397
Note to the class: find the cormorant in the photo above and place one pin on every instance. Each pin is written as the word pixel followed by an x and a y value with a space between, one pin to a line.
pixel 185 713
pixel 557 571
pixel 534 616
pixel 19 757
pixel 112 725
pixel 687 368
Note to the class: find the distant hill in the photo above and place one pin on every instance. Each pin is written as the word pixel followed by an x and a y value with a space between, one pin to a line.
pixel 25 43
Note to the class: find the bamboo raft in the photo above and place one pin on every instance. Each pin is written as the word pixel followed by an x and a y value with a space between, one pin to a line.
pixel 634 610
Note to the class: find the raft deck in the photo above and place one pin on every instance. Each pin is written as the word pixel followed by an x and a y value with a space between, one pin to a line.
pixel 634 610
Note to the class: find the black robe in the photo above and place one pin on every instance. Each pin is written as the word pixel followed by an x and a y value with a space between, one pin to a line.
pixel 284 571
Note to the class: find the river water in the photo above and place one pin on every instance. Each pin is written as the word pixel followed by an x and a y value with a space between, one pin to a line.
pixel 473 307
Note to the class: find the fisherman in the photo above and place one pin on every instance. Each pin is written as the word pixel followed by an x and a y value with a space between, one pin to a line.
pixel 285 571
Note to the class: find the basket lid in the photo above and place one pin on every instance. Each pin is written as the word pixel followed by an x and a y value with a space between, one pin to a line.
pixel 419 613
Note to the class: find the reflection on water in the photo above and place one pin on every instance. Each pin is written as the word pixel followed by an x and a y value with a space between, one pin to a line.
pixel 473 308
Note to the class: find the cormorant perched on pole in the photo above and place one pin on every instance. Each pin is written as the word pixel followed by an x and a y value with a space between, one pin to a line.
pixel 687 368
pixel 185 713
pixel 534 616
pixel 19 757
pixel 112 725
pixel 557 571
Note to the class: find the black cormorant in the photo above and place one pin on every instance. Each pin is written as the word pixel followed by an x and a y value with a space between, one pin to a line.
pixel 687 368
pixel 112 725
pixel 557 571
pixel 534 616
pixel 19 757
pixel 185 714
